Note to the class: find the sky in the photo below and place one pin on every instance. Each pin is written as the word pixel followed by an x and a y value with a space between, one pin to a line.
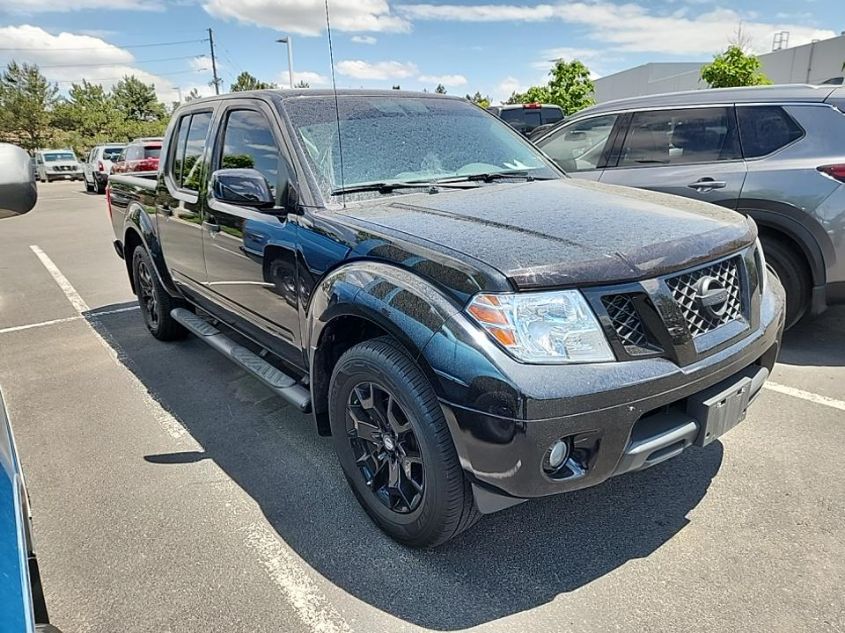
pixel 467 45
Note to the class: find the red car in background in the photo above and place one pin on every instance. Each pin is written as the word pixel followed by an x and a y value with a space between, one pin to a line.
pixel 142 154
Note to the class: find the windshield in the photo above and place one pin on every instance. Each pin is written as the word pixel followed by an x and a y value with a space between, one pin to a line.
pixel 152 151
pixel 397 139
pixel 53 156
pixel 111 153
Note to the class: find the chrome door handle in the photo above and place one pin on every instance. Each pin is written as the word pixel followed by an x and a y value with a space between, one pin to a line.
pixel 707 184
pixel 164 209
pixel 211 228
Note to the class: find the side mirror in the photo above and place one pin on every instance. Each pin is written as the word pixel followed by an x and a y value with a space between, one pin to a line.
pixel 18 193
pixel 243 187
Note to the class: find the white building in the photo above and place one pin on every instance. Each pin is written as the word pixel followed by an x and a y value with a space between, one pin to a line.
pixel 814 63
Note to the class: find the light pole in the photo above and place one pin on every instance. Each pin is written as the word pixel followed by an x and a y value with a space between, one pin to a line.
pixel 287 40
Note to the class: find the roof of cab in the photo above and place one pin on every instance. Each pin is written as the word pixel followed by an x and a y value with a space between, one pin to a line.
pixel 283 94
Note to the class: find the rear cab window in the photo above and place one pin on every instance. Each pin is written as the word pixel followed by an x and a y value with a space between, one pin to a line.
pixel 185 161
pixel 682 136
pixel 765 129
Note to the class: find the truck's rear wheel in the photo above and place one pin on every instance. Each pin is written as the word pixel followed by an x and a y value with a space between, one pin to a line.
pixel 155 302
pixel 394 446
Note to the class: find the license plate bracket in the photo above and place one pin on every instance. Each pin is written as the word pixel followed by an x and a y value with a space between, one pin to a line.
pixel 719 409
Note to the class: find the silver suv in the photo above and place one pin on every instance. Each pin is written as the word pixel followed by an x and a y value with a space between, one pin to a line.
pixel 775 153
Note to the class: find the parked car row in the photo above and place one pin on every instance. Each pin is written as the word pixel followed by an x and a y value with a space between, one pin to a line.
pixel 140 155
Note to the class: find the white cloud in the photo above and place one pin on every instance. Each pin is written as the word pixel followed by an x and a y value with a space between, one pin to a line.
pixel 506 88
pixel 311 78
pixel 359 69
pixel 308 17
pixel 630 27
pixel 364 39
pixel 72 57
pixel 446 80
pixel 45 6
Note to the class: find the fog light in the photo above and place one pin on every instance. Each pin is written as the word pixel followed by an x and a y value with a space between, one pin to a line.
pixel 556 456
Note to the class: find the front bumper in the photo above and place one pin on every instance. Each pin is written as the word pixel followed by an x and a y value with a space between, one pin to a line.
pixel 618 417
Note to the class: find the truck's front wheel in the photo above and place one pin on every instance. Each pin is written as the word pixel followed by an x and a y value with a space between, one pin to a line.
pixel 394 446
pixel 153 299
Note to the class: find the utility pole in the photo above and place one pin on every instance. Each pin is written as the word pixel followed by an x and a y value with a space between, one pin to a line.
pixel 213 62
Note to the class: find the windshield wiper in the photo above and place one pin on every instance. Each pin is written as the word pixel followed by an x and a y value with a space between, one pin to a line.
pixel 496 175
pixel 387 187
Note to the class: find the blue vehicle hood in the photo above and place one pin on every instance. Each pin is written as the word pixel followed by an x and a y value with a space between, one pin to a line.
pixel 14 574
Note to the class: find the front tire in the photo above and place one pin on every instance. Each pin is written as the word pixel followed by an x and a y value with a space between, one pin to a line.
pixel 794 276
pixel 395 448
pixel 155 302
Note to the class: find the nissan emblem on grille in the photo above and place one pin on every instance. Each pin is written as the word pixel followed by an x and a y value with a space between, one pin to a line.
pixel 712 296
pixel 709 297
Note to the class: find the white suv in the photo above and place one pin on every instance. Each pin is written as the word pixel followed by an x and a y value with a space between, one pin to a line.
pixel 97 166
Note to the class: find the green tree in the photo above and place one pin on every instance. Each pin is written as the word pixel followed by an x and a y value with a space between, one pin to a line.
pixel 397 87
pixel 535 94
pixel 440 89
pixel 245 81
pixel 482 101
pixel 734 68
pixel 137 101
pixel 193 94
pixel 569 87
pixel 26 103
pixel 301 84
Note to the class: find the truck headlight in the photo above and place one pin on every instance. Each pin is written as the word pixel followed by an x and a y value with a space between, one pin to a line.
pixel 543 327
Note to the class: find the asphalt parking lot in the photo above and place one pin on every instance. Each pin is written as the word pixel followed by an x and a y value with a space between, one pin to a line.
pixel 173 492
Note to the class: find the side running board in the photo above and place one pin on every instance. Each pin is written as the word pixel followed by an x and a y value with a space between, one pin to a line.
pixel 284 386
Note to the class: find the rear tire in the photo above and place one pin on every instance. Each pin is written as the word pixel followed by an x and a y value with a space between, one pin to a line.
pixel 411 484
pixel 155 302
pixel 98 188
pixel 87 186
pixel 794 276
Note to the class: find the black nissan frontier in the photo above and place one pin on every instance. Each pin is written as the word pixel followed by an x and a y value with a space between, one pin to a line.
pixel 472 327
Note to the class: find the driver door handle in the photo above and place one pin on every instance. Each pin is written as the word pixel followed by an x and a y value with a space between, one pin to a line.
pixel 211 228
pixel 165 209
pixel 707 184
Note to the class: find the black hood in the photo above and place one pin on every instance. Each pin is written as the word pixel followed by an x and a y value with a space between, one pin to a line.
pixel 564 232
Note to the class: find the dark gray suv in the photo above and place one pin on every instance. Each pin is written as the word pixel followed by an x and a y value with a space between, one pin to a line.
pixel 775 153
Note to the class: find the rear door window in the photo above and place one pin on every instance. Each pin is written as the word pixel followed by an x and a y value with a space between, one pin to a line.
pixel 765 129
pixel 674 137
pixel 152 151
pixel 186 163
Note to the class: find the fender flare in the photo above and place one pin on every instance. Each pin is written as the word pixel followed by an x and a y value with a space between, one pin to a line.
pixel 402 304
pixel 139 221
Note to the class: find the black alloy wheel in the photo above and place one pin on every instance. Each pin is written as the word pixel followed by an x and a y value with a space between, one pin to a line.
pixel 386 450
pixel 394 445
pixel 146 295
pixel 155 302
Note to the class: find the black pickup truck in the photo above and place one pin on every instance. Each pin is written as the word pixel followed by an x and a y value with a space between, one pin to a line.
pixel 472 327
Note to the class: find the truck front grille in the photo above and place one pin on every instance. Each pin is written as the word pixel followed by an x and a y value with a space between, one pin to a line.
pixel 627 323
pixel 685 291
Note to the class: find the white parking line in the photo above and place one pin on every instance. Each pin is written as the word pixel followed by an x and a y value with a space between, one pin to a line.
pixel 809 396
pixel 279 560
pixel 88 315
pixel 70 292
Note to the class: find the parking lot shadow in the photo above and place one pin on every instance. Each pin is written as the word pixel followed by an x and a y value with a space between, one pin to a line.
pixel 816 341
pixel 508 563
